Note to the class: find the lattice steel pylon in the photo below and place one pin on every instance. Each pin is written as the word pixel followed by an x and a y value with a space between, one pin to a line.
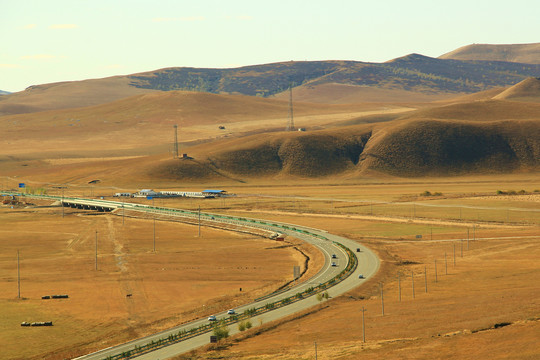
pixel 290 122
pixel 175 151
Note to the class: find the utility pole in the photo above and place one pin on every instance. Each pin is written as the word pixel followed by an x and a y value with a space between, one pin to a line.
pixel 399 287
pixel 382 298
pixel 435 270
pixel 18 276
pixel 363 326
pixel 154 247
pixel 412 277
pixel 454 246
pixel 62 201
pixel 123 211
pixel 425 277
pixel 96 251
pixel 315 350
pixel 199 220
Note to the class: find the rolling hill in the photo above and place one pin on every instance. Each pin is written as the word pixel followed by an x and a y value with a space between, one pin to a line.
pixel 527 90
pixel 520 53
pixel 483 134
pixel 412 78
pixel 403 148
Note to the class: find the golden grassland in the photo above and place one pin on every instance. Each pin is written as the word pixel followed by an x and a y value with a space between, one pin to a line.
pixel 187 277
pixel 483 305
pixel 492 283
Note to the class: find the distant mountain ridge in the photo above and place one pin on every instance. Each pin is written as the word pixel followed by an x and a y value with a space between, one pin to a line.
pixel 2 92
pixel 520 53
pixel 413 72
pixel 411 78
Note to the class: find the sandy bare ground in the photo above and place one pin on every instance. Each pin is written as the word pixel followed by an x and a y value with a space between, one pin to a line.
pixel 396 219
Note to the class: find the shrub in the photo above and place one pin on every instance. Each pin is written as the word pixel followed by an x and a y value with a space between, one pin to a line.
pixel 242 326
pixel 221 331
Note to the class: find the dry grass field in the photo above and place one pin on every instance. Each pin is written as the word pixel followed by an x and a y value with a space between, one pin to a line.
pixel 483 304
pixel 187 277
pixel 492 283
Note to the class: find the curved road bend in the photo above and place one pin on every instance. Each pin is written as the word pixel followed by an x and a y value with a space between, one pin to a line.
pixel 368 265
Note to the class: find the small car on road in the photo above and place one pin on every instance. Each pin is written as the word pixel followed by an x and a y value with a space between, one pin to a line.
pixel 361 276
pixel 231 312
pixel 212 318
pixel 334 256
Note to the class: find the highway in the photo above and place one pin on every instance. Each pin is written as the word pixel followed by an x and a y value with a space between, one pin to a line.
pixel 367 264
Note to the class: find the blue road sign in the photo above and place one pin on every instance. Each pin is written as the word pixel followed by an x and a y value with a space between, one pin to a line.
pixel 21 185
pixel 149 197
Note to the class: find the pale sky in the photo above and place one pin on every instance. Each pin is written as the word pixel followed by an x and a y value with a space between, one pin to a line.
pixel 44 41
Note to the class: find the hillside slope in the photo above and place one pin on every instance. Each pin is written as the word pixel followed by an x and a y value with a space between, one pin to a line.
pixel 401 148
pixel 519 53
pixel 70 94
pixel 424 147
pixel 527 90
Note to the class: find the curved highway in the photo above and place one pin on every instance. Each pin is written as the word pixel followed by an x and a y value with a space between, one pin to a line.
pixel 336 250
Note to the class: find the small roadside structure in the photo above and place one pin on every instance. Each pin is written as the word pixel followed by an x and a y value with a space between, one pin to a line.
pixel 145 192
pixel 215 193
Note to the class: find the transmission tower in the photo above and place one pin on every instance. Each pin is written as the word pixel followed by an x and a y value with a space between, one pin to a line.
pixel 176 141
pixel 290 123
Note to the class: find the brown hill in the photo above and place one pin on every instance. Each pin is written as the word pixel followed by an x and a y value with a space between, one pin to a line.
pixel 333 93
pixel 424 147
pixel 409 78
pixel 403 148
pixel 70 94
pixel 147 120
pixel 493 135
pixel 520 53
pixel 487 110
pixel 527 90
pixel 321 153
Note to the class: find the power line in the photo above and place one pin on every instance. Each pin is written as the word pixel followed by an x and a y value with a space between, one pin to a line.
pixel 290 123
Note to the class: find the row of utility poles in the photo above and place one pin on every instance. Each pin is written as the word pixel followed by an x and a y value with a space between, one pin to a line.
pixel 381 285
pixel 96 245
